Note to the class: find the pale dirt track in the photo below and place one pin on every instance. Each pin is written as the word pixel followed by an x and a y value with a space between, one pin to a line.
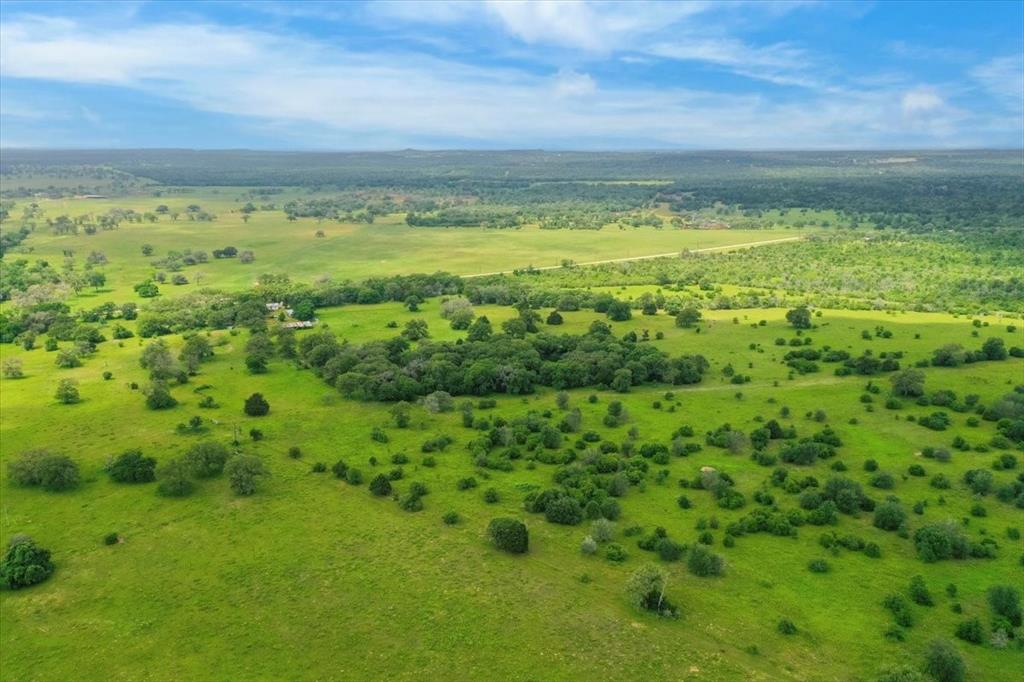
pixel 654 255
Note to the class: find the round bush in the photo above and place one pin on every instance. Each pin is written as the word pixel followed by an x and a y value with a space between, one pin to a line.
pixel 25 564
pixel 380 485
pixel 132 467
pixel 787 627
pixel 704 563
pixel 509 535
pixel 615 553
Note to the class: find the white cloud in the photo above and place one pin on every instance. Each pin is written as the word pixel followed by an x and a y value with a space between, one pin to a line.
pixel 1003 77
pixel 569 83
pixel 921 101
pixel 331 97
pixel 596 27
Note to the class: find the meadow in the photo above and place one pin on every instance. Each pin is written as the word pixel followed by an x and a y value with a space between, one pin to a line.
pixel 347 251
pixel 310 561
pixel 314 576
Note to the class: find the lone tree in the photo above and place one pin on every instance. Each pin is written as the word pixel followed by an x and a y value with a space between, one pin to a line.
pixel 799 317
pixel 509 535
pixel 67 392
pixel 244 473
pixel 12 369
pixel 256 405
pixel 943 662
pixel 206 459
pixel 380 486
pixel 131 467
pixel 175 479
pixel 908 383
pixel 158 396
pixel 25 564
pixel 646 590
pixel 688 317
pixel 400 414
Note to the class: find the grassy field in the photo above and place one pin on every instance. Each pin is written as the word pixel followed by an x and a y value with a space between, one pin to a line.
pixel 347 251
pixel 314 575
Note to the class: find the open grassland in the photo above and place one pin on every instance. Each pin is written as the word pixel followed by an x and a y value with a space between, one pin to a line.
pixel 315 578
pixel 346 251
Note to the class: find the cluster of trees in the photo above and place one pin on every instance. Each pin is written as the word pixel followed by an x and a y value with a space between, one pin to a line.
pixel 466 216
pixel 394 370
pixel 209 459
pixel 44 469
pixel 353 208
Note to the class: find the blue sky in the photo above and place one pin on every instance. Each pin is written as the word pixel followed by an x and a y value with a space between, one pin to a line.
pixel 555 75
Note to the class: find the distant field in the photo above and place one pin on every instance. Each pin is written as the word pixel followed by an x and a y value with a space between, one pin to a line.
pixel 347 251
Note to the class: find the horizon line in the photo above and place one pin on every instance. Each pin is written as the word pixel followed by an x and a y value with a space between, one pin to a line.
pixel 484 150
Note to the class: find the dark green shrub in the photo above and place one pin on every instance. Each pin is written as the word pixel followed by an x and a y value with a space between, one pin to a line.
pixel 25 564
pixel 1005 603
pixel 889 516
pixel 256 405
pixel 44 469
pixel 491 496
pixel 354 476
pixel 938 541
pixel 944 663
pixel 564 510
pixel 615 553
pixel 818 566
pixel 883 480
pixel 919 592
pixel 451 518
pixel 158 396
pixel 787 627
pixel 971 631
pixel 900 610
pixel 111 539
pixel 703 562
pixel 509 535
pixel 668 550
pixel 244 473
pixel 206 459
pixel 380 486
pixel 131 467
pixel 411 502
pixel 174 479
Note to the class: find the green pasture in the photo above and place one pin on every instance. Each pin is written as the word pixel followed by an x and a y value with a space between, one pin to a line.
pixel 346 251
pixel 312 578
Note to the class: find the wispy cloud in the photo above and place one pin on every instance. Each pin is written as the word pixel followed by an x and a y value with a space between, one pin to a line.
pixel 327 93
pixel 1003 77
